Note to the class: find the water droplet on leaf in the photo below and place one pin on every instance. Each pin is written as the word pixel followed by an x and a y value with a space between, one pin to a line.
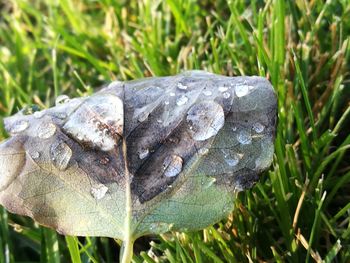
pixel 244 137
pixel 99 191
pixel 60 115
pixel 232 161
pixel 105 160
pixel 39 114
pixel 19 126
pixel 182 100
pixel 203 151
pixel 207 92
pixel 241 90
pixel 34 154
pixel 61 100
pixel 172 165
pixel 226 95
pixel 206 119
pixel 46 130
pixel 181 86
pixel 143 116
pixel 223 88
pixel 143 154
pixel 160 227
pixel 60 154
pixel 30 109
pixel 211 181
pixel 258 127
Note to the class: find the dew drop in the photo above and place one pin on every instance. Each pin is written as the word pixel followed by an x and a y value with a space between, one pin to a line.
pixel 153 227
pixel 212 181
pixel 203 151
pixel 60 154
pixel 46 130
pixel 223 88
pixel 160 227
pixel 104 160
pixel 62 99
pixel 226 95
pixel 34 154
pixel 207 92
pixel 172 94
pixel 19 126
pixel 166 102
pixel 38 114
pixel 244 137
pixel 241 90
pixel 234 128
pixel 181 86
pixel 172 165
pixel 258 127
pixel 182 100
pixel 30 109
pixel 232 161
pixel 60 115
pixel 206 119
pixel 143 153
pixel 143 116
pixel 99 191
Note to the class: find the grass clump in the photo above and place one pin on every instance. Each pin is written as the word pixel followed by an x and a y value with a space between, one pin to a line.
pixel 299 212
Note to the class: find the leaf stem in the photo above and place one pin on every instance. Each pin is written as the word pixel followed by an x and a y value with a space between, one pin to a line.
pixel 127 247
pixel 126 250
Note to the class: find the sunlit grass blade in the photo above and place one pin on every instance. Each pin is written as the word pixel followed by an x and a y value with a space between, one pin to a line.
pixel 50 248
pixel 73 247
pixel 333 252
pixel 6 254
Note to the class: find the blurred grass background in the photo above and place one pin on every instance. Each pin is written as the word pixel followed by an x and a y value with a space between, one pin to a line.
pixel 300 210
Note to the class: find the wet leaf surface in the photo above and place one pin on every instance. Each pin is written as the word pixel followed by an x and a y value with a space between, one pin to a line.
pixel 192 141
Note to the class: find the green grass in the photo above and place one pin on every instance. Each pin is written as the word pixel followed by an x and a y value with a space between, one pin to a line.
pixel 300 210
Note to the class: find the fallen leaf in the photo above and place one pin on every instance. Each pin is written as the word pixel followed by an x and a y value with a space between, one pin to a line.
pixel 190 141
